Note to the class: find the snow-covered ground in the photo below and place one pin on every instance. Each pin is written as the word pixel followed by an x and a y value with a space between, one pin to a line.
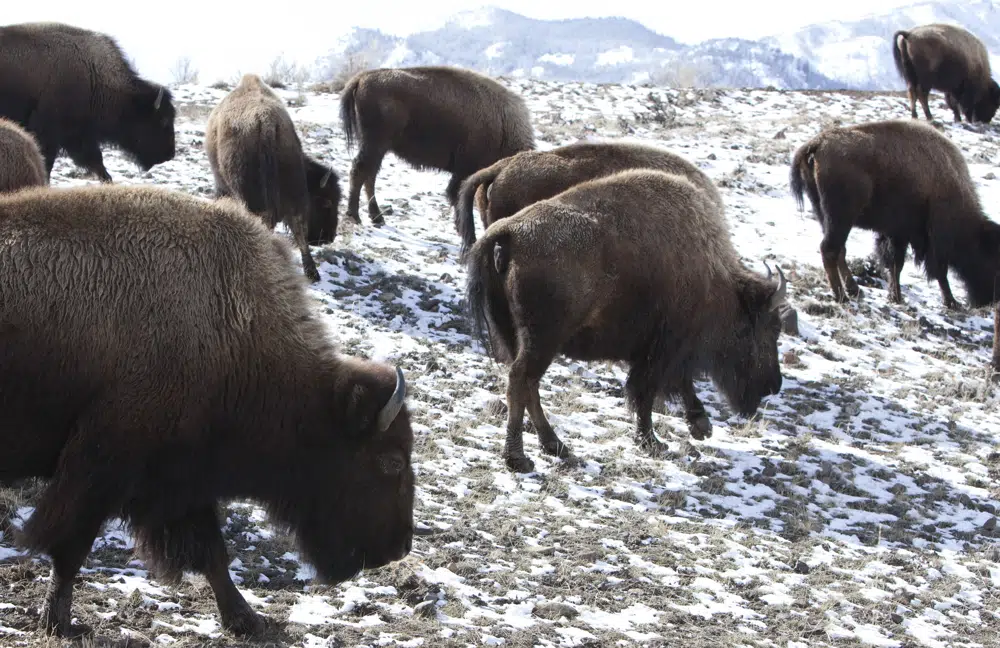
pixel 858 508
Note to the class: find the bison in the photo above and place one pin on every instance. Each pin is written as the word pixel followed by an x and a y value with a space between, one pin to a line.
pixel 515 182
pixel 256 156
pixel 950 59
pixel 910 185
pixel 21 163
pixel 167 361
pixel 444 118
pixel 74 90
pixel 636 266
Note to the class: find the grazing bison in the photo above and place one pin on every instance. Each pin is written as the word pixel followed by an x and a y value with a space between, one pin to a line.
pixel 908 183
pixel 638 267
pixel 444 118
pixel 165 361
pixel 515 182
pixel 74 90
pixel 21 163
pixel 256 156
pixel 952 60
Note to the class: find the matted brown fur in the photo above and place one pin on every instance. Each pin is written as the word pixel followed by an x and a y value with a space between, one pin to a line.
pixel 908 183
pixel 515 182
pixel 21 163
pixel 74 90
pixel 439 117
pixel 256 156
pixel 637 266
pixel 158 357
pixel 950 59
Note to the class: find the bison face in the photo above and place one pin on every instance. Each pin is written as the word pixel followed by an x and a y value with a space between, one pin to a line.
pixel 747 366
pixel 324 201
pixel 987 106
pixel 147 127
pixel 359 511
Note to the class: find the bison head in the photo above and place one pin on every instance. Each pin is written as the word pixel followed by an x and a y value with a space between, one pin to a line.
pixel 146 129
pixel 324 202
pixel 988 103
pixel 747 367
pixel 354 506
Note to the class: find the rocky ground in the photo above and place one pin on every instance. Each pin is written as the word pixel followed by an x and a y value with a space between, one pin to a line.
pixel 858 508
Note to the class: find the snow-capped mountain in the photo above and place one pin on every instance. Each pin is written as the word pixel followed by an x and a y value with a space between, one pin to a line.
pixel 834 55
pixel 859 53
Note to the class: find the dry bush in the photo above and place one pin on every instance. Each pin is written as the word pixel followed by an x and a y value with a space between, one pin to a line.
pixel 681 74
pixel 282 73
pixel 184 72
pixel 339 74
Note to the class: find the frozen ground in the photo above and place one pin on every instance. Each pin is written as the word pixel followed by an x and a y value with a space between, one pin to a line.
pixel 858 509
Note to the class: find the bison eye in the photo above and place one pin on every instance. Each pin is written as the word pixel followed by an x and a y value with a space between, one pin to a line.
pixel 391 463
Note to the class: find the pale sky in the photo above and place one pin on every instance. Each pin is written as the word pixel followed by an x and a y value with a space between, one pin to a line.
pixel 224 39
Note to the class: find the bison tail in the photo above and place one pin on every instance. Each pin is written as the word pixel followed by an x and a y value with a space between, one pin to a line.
pixel 486 298
pixel 464 221
pixel 800 176
pixel 901 56
pixel 348 112
pixel 270 181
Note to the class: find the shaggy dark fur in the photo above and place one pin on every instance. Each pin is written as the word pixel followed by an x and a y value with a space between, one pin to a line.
pixel 444 118
pixel 637 267
pixel 908 183
pixel 952 60
pixel 74 90
pixel 515 182
pixel 158 357
pixel 256 156
pixel 21 163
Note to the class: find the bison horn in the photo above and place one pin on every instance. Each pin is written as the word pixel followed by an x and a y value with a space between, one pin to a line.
pixel 326 178
pixel 159 98
pixel 489 191
pixel 778 298
pixel 391 409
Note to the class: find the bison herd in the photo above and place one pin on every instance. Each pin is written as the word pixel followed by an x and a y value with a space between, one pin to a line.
pixel 158 356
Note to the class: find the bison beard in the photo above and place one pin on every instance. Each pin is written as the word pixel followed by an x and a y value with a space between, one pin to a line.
pixel 156 381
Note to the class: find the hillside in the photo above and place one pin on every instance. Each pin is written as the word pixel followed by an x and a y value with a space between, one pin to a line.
pixel 858 508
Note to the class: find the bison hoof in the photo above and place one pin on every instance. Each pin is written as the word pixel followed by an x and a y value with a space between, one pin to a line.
pixel 700 428
pixel 652 446
pixel 245 623
pixel 853 291
pixel 556 448
pixel 519 463
pixel 56 622
pixel 953 305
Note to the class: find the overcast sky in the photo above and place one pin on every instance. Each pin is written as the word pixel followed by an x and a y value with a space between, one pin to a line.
pixel 224 40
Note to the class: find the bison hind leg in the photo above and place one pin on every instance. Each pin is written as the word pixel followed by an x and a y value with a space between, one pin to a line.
pixel 194 542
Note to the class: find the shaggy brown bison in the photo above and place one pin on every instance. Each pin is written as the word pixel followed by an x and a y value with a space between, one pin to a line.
pixel 638 267
pixel 165 361
pixel 21 163
pixel 444 118
pixel 908 183
pixel 515 182
pixel 256 156
pixel 74 90
pixel 952 60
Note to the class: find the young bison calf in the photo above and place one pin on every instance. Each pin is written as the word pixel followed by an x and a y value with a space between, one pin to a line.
pixel 638 267
pixel 908 183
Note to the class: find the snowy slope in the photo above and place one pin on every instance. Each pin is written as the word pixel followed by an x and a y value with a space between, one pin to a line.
pixel 858 509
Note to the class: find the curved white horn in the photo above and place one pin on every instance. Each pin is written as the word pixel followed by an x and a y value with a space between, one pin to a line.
pixel 159 99
pixel 395 403
pixel 779 294
pixel 326 178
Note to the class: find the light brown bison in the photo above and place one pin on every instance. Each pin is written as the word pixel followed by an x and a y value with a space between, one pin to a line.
pixel 256 156
pixel 515 182
pixel 444 118
pixel 637 266
pixel 167 361
pixel 21 163
pixel 950 59
pixel 74 90
pixel 908 183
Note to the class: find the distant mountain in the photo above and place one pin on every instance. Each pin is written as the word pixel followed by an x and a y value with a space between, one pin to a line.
pixel 827 56
pixel 859 53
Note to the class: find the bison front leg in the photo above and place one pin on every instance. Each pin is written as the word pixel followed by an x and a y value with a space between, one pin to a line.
pixel 87 155
pixel 699 426
pixel 892 253
pixel 194 542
